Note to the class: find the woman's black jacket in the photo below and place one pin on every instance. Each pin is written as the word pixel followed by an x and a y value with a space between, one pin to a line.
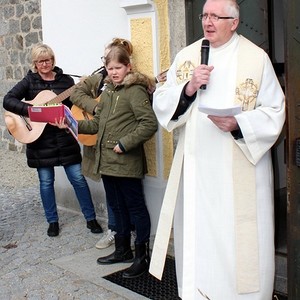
pixel 55 146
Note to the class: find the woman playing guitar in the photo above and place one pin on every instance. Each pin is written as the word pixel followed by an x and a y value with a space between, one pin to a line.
pixel 54 146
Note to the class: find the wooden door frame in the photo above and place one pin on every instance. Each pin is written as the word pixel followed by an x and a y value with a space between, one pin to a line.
pixel 292 62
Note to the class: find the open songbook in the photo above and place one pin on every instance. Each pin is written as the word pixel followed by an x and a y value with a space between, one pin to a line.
pixel 51 113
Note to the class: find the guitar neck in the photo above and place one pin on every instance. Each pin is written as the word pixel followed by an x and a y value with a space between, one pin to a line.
pixel 62 96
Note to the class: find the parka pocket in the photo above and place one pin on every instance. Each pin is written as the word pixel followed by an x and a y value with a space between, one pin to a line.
pixel 110 143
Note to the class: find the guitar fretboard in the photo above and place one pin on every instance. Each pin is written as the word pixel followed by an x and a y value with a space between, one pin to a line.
pixel 62 96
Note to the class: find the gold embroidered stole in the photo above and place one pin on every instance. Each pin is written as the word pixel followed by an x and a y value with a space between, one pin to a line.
pixel 244 179
pixel 164 227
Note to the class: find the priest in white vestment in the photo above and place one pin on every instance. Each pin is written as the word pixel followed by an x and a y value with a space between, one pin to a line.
pixel 224 214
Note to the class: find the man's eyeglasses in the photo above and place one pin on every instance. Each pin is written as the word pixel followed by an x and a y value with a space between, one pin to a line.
pixel 213 17
pixel 44 61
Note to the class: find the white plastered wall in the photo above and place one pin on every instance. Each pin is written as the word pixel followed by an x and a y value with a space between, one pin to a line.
pixel 78 31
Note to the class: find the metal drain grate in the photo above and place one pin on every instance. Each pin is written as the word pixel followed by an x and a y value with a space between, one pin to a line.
pixel 149 286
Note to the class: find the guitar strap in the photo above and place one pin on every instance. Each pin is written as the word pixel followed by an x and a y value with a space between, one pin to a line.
pixel 101 84
pixel 78 76
pixel 102 71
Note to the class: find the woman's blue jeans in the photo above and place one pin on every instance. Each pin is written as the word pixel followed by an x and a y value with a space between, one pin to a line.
pixel 81 188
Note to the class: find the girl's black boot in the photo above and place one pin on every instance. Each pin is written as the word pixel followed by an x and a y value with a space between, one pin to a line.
pixel 141 261
pixel 123 252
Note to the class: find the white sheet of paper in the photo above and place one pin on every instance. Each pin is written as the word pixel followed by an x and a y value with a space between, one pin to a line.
pixel 220 112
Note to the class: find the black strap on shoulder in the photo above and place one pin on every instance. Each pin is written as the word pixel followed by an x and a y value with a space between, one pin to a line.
pixel 101 84
pixel 78 76
pixel 99 70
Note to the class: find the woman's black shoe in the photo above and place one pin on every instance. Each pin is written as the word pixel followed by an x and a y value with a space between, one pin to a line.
pixel 94 226
pixel 53 229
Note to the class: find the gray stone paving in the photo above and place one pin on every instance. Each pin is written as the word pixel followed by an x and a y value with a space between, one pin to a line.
pixel 34 266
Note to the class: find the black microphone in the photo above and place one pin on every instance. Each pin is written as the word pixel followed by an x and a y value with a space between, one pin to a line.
pixel 204 57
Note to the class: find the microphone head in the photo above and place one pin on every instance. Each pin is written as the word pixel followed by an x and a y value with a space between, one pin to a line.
pixel 205 43
pixel 204 57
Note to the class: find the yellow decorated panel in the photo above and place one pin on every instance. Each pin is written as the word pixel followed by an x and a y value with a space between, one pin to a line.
pixel 142 41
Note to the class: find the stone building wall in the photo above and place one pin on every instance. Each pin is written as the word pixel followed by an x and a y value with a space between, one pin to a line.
pixel 20 29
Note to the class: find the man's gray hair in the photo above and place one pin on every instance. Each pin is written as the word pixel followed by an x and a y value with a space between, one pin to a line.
pixel 232 8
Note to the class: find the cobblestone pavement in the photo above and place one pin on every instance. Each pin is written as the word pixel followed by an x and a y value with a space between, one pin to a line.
pixel 27 254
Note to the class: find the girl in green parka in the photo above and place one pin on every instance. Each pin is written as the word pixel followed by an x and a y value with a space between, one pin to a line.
pixel 124 121
pixel 86 96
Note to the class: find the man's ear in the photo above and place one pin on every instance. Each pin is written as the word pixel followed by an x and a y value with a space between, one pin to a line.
pixel 235 24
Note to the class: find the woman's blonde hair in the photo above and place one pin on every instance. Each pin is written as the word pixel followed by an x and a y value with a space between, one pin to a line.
pixel 41 51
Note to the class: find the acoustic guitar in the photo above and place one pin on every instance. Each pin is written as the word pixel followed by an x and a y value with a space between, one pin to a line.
pixel 22 128
pixel 80 114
